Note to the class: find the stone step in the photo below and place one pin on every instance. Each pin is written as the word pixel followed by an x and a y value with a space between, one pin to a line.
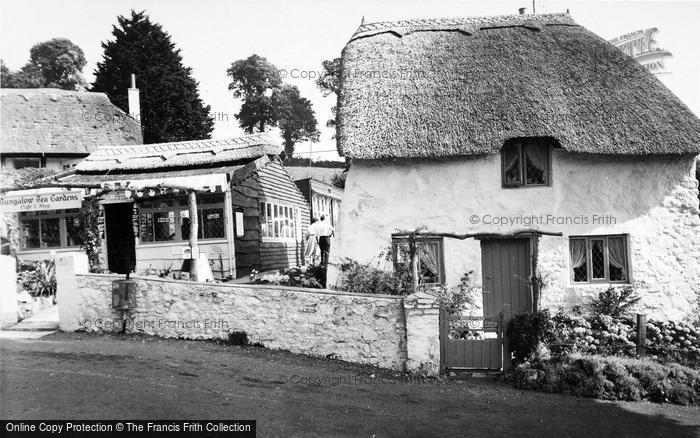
pixel 20 334
pixel 29 326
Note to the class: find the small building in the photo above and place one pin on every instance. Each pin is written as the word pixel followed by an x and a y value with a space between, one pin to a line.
pixel 323 198
pixel 250 213
pixel 55 129
pixel 495 125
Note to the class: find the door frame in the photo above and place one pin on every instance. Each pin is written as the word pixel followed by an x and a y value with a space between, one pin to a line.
pixel 531 264
pixel 104 205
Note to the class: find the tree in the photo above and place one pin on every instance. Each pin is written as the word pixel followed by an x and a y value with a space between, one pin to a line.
pixel 56 63
pixel 171 109
pixel 254 80
pixel 294 116
pixel 267 102
pixel 329 83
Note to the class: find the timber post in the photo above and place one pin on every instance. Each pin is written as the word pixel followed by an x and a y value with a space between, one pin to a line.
pixel 641 335
pixel 194 227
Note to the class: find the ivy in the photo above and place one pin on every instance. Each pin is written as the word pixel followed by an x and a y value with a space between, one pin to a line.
pixel 92 241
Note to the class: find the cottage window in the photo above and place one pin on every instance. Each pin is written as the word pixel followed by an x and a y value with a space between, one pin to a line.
pixel 431 264
pixel 325 205
pixel 599 259
pixel 279 221
pixel 50 229
pixel 526 163
pixel 21 163
pixel 169 220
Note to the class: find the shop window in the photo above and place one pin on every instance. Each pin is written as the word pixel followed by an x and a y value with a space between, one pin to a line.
pixel 50 229
pixel 162 221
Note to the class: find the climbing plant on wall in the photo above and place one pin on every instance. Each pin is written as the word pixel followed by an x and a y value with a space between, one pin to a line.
pixel 92 240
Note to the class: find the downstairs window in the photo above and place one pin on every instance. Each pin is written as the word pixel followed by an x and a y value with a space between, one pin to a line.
pixel 599 259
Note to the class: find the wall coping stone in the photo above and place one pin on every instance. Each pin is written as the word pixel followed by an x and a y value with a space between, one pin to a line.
pixel 249 286
pixel 421 300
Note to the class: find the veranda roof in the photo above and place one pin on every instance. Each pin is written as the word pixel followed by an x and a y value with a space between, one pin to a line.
pixel 179 155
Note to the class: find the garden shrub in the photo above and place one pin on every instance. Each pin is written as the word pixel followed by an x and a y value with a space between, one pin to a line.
pixel 565 333
pixel 368 279
pixel 614 302
pixel 38 278
pixel 674 341
pixel 296 276
pixel 525 331
pixel 610 378
pixel 462 296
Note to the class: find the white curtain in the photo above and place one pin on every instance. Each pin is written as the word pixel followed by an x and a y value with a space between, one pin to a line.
pixel 578 253
pixel 512 163
pixel 537 156
pixel 429 257
pixel 616 254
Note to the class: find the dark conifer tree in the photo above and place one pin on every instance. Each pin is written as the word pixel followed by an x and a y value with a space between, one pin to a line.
pixel 171 109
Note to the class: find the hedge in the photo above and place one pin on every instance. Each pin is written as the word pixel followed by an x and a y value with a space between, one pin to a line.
pixel 610 378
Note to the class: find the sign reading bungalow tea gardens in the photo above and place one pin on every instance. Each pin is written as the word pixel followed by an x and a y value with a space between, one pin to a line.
pixel 33 201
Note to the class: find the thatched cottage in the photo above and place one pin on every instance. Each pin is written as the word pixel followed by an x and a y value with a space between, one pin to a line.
pixel 491 126
pixel 55 129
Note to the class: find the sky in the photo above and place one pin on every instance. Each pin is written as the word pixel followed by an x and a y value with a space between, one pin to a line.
pixel 297 35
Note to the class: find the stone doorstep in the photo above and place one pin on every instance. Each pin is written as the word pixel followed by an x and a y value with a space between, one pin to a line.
pixel 28 326
pixel 467 374
pixel 6 334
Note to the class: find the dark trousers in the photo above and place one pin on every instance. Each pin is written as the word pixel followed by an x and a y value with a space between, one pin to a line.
pixel 324 243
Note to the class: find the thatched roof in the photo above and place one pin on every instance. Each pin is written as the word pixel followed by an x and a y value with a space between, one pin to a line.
pixel 322 174
pixel 450 87
pixel 53 121
pixel 185 154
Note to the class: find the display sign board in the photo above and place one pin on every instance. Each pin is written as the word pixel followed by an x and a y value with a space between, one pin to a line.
pixel 641 45
pixel 42 201
pixel 240 231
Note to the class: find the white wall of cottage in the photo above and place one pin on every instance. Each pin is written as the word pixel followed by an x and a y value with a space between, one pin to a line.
pixel 654 200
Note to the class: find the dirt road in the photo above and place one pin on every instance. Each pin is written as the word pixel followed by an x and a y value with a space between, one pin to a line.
pixel 83 376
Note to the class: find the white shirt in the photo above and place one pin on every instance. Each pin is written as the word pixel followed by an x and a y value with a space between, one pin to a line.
pixel 323 228
pixel 313 228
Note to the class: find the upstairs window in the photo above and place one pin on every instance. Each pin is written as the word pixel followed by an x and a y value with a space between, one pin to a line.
pixel 526 162
pixel 599 259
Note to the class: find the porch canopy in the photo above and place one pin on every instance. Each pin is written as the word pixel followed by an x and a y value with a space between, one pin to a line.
pixel 214 180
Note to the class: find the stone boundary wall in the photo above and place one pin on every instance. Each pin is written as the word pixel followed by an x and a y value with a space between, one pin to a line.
pixel 361 328
pixel 353 328
pixel 8 291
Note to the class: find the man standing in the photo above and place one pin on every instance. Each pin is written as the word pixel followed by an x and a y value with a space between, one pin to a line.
pixel 324 231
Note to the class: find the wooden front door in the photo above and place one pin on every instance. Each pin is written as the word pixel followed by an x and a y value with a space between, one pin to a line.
pixel 121 250
pixel 478 342
pixel 505 268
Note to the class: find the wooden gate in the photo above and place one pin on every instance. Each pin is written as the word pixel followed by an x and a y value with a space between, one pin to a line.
pixel 478 342
pixel 471 342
